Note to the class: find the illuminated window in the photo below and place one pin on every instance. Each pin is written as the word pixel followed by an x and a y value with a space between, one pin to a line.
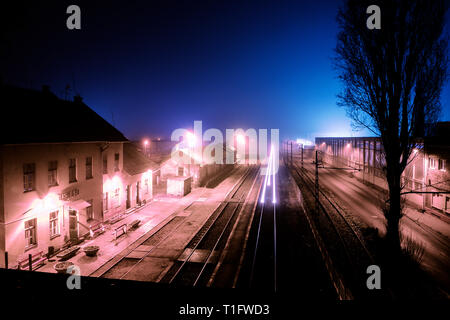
pixel 146 186
pixel 116 161
pixel 54 224
pixel 29 177
pixel 30 233
pixel 115 199
pixel 72 170
pixel 431 163
pixel 90 210
pixel 89 168
pixel 52 173
pixel 441 164
pixel 105 164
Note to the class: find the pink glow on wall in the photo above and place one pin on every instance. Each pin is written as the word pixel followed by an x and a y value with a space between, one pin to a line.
pixel 112 184
pixel 48 203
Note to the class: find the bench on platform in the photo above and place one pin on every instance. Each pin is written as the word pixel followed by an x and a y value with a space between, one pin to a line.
pixel 120 230
pixel 97 229
pixel 134 224
pixel 37 260
pixel 68 253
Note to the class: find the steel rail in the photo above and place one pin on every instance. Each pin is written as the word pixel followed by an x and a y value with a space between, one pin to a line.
pixel 233 192
pixel 172 279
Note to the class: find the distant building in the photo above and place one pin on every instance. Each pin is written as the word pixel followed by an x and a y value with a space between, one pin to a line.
pixel 426 176
pixel 138 176
pixel 60 171
pixel 436 160
pixel 195 168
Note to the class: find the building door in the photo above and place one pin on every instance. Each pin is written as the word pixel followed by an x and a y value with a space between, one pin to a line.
pixel 138 194
pixel 128 196
pixel 73 224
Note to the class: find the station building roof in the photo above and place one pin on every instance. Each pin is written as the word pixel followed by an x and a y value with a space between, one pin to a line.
pixel 135 162
pixel 32 116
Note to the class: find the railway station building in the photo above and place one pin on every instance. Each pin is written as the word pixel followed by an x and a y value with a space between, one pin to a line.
pixel 57 158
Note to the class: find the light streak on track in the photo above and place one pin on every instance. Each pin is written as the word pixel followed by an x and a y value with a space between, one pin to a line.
pixel 270 171
pixel 274 198
pixel 270 174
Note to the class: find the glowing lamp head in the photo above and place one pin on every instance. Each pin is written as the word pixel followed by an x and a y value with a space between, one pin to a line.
pixel 51 201
pixel 190 137
pixel 145 142
pixel 240 138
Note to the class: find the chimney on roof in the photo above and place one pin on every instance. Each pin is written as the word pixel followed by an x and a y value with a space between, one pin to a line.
pixel 77 98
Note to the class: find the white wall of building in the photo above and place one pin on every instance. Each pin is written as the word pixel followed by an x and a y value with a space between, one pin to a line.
pixel 19 206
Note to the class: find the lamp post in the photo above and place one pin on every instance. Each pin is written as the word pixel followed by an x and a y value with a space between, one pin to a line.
pixel 145 147
pixel 240 139
pixel 191 143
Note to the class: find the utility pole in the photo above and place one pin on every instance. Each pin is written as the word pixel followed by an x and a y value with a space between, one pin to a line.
pixel 317 182
pixel 291 153
pixel 302 155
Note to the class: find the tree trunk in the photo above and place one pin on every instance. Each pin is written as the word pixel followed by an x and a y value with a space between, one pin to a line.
pixel 394 213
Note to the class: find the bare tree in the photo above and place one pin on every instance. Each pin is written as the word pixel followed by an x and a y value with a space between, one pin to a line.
pixel 392 79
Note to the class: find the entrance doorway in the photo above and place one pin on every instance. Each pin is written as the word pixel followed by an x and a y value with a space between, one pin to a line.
pixel 138 186
pixel 73 225
pixel 128 204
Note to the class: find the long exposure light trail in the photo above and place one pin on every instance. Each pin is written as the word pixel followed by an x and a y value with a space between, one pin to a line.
pixel 269 171
pixel 265 181
pixel 274 199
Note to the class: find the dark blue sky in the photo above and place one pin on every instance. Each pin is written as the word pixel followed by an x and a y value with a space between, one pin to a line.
pixel 153 66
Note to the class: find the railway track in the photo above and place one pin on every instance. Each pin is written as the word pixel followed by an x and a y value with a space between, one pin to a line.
pixel 266 236
pixel 344 245
pixel 125 266
pixel 202 253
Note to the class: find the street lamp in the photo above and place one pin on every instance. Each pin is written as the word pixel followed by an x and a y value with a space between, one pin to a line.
pixel 241 147
pixel 190 137
pixel 145 146
pixel 240 138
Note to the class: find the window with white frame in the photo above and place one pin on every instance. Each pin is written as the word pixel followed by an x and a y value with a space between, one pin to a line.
pixel 90 210
pixel 105 164
pixel 54 224
pixel 72 170
pixel 52 173
pixel 441 164
pixel 89 168
pixel 29 177
pixel 30 233
pixel 431 163
pixel 116 161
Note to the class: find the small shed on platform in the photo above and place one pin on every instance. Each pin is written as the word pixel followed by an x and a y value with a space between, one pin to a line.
pixel 178 185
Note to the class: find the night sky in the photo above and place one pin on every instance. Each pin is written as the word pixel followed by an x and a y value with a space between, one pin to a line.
pixel 149 67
